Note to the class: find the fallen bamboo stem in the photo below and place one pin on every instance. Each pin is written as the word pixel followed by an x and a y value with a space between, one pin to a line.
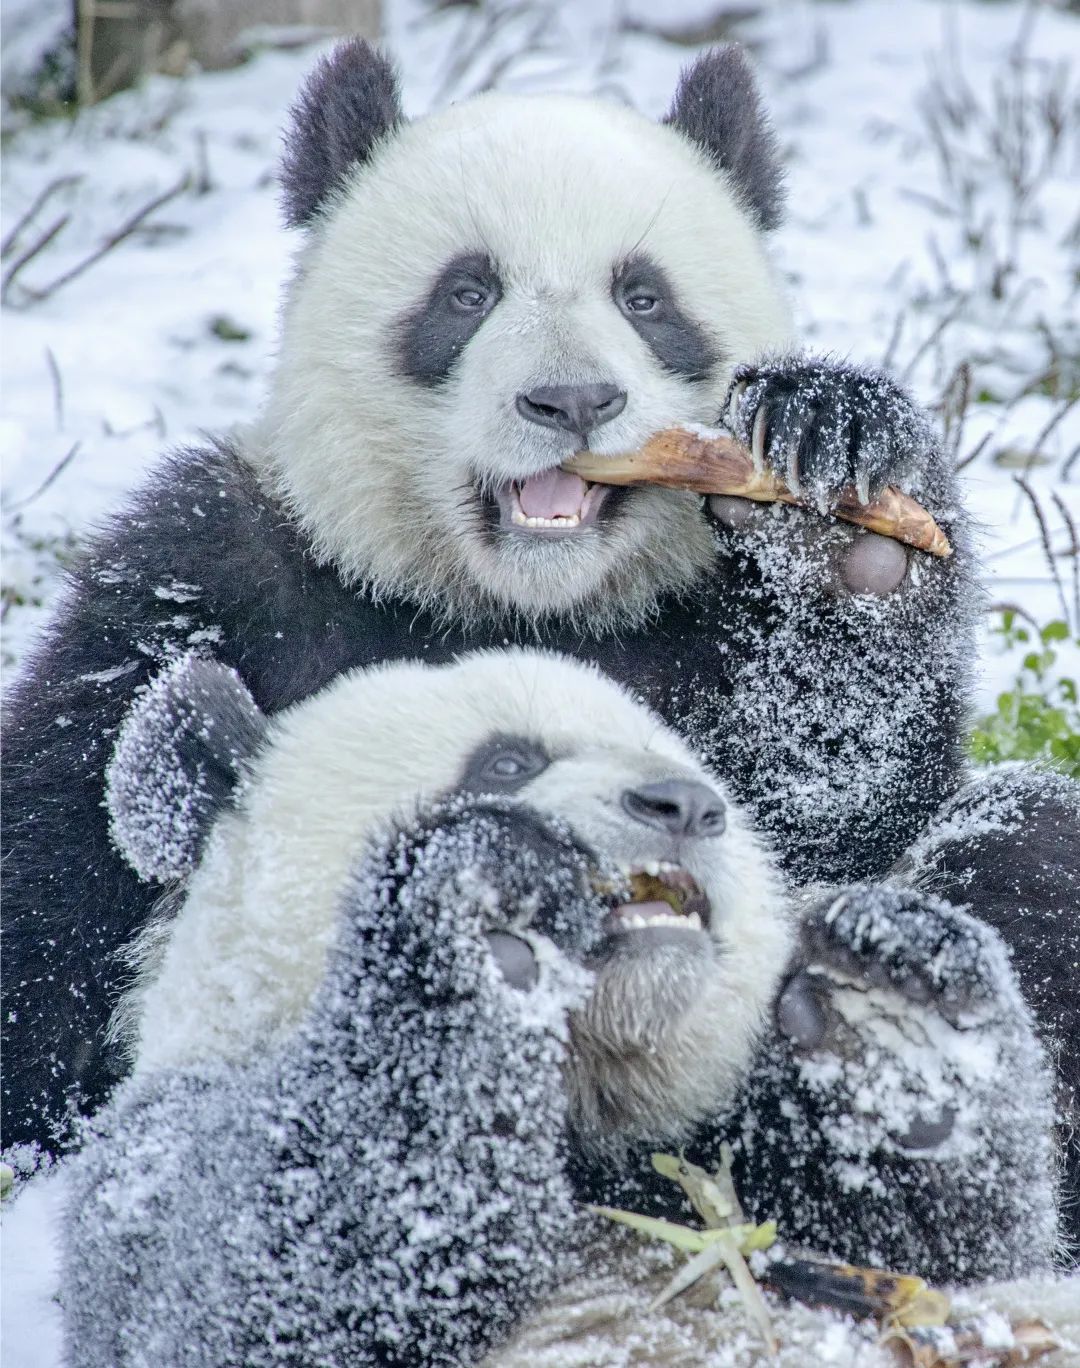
pixel 679 459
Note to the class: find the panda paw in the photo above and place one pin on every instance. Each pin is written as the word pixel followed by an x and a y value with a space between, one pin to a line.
pixel 904 1016
pixel 474 879
pixel 821 426
pixel 922 949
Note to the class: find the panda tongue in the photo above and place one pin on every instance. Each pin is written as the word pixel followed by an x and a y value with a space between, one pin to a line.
pixel 555 494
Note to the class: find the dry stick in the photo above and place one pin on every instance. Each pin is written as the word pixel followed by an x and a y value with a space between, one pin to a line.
pixel 975 452
pixel 1074 551
pixel 58 388
pixel 49 479
pixel 1048 546
pixel 36 206
pixel 31 252
pixel 1040 441
pixel 678 459
pixel 113 240
pixel 947 319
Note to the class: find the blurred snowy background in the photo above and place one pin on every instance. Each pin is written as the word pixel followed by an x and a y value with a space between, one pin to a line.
pixel 934 225
pixel 933 151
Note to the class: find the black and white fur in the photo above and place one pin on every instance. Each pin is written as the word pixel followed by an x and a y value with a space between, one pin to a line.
pixel 452 267
pixel 385 1163
pixel 232 960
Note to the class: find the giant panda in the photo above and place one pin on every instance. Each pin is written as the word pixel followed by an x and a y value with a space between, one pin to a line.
pixel 411 1008
pixel 477 294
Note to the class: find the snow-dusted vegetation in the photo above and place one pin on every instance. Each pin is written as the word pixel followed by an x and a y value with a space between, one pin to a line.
pixel 933 152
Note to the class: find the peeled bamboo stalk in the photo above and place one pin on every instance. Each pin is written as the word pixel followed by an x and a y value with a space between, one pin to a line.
pixel 679 459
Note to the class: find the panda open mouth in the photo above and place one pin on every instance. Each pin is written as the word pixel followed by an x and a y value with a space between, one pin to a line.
pixel 554 503
pixel 656 894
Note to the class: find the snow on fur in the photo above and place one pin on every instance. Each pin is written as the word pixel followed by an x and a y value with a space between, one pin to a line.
pixel 388 1186
pixel 177 759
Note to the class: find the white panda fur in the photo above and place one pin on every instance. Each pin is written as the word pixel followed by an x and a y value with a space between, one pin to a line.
pixel 375 467
pixel 237 966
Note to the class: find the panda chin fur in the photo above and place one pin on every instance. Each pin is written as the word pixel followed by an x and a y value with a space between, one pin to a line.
pixel 383 469
pixel 675 1014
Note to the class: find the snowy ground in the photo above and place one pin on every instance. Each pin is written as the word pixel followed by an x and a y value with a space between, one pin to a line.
pixel 933 151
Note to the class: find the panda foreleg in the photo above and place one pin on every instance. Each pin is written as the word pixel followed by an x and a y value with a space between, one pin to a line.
pixel 900 1114
pixel 840 709
pixel 388 1186
pixel 1008 846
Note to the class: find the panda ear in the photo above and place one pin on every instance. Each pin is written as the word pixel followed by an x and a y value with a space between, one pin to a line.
pixel 717 106
pixel 178 760
pixel 348 103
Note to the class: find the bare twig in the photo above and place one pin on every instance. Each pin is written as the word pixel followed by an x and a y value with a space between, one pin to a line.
pixel 944 322
pixel 1015 609
pixel 58 387
pixel 35 248
pixel 975 452
pixel 894 339
pixel 114 239
pixel 49 479
pixel 1074 552
pixel 1040 441
pixel 36 205
pixel 1044 534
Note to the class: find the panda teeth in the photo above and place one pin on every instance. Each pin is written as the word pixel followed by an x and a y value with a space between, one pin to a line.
pixel 634 921
pixel 520 520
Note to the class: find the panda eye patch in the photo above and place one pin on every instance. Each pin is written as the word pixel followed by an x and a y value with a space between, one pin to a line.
pixel 432 336
pixel 644 296
pixel 503 764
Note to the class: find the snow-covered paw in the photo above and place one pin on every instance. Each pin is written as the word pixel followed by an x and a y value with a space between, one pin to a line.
pixel 924 949
pixel 900 1011
pixel 820 426
pixel 490 882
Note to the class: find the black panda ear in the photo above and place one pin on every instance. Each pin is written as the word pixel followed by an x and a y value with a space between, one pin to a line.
pixel 717 106
pixel 178 760
pixel 348 103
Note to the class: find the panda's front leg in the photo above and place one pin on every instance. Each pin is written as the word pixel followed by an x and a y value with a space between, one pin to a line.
pixel 845 656
pixel 900 1114
pixel 387 1185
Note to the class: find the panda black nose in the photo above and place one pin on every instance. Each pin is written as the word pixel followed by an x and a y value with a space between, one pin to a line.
pixel 575 408
pixel 678 806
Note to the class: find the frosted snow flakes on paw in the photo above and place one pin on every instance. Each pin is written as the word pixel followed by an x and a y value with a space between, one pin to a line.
pixel 158 800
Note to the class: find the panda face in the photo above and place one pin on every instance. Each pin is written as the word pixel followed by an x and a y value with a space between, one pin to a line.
pixel 499 286
pixel 694 936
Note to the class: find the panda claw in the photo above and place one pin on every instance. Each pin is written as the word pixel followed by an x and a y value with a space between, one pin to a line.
pixel 734 401
pixel 757 441
pixel 794 482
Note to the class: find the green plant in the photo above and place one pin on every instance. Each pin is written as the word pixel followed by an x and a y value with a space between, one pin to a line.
pixel 1039 718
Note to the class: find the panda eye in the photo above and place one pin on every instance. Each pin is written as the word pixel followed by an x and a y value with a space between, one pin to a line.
pixel 507 766
pixel 512 765
pixel 469 298
pixel 503 765
pixel 642 303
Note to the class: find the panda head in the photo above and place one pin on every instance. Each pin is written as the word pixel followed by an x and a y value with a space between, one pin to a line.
pixel 485 291
pixel 695 934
